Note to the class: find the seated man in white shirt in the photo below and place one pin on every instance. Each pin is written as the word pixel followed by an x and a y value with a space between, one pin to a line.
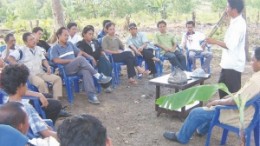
pixel 73 29
pixel 33 57
pixel 10 46
pixel 192 41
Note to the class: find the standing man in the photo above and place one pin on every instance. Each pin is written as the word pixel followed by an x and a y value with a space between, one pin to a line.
pixel 167 42
pixel 138 42
pixel 233 53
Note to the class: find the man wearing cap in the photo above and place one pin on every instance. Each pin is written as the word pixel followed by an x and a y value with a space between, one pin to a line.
pixel 139 43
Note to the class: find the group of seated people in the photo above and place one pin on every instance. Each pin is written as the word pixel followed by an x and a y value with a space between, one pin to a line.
pixel 17 116
pixel 87 57
pixel 72 53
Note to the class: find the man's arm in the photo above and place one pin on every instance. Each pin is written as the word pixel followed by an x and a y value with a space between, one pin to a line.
pixel 46 64
pixel 224 101
pixel 41 97
pixel 216 42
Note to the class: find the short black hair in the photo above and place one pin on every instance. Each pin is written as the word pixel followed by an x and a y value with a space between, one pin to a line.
pixel 13 76
pixel 82 130
pixel 105 22
pixel 26 35
pixel 36 29
pixel 8 36
pixel 161 22
pixel 87 29
pixel 59 31
pixel 12 114
pixel 257 53
pixel 71 24
pixel 109 24
pixel 189 23
pixel 236 4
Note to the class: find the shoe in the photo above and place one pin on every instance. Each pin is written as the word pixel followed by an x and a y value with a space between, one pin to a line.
pixel 104 79
pixel 108 90
pixel 92 98
pixel 170 136
pixel 64 113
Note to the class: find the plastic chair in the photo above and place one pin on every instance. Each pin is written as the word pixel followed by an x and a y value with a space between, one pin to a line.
pixel 10 136
pixel 253 126
pixel 70 81
pixel 159 65
pixel 197 56
pixel 73 80
pixel 2 48
pixel 116 70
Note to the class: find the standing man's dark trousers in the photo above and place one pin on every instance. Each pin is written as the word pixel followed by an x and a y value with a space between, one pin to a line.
pixel 148 55
pixel 232 79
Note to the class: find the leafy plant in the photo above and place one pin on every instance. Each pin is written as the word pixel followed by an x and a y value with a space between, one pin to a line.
pixel 202 93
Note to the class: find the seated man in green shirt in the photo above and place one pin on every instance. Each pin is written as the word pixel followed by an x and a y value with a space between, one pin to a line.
pixel 167 43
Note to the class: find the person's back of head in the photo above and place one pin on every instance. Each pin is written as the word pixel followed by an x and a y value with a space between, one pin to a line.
pixel 82 130
pixel 13 114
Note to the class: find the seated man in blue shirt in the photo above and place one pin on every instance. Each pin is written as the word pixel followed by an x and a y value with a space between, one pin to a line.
pixel 71 57
pixel 138 42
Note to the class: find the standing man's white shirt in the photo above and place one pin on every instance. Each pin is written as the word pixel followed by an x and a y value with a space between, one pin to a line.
pixel 234 57
pixel 75 39
pixel 193 41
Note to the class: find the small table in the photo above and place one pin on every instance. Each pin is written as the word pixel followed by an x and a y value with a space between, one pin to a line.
pixel 163 82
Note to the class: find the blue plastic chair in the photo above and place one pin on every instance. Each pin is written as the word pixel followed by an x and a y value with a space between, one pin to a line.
pixel 159 65
pixel 253 126
pixel 73 81
pixel 2 48
pixel 197 56
pixel 115 71
pixel 70 82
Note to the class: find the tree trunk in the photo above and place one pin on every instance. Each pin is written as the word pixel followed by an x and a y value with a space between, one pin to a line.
pixel 193 15
pixel 58 17
pixel 247 41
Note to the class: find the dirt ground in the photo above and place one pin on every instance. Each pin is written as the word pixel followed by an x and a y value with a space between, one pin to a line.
pixel 131 119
